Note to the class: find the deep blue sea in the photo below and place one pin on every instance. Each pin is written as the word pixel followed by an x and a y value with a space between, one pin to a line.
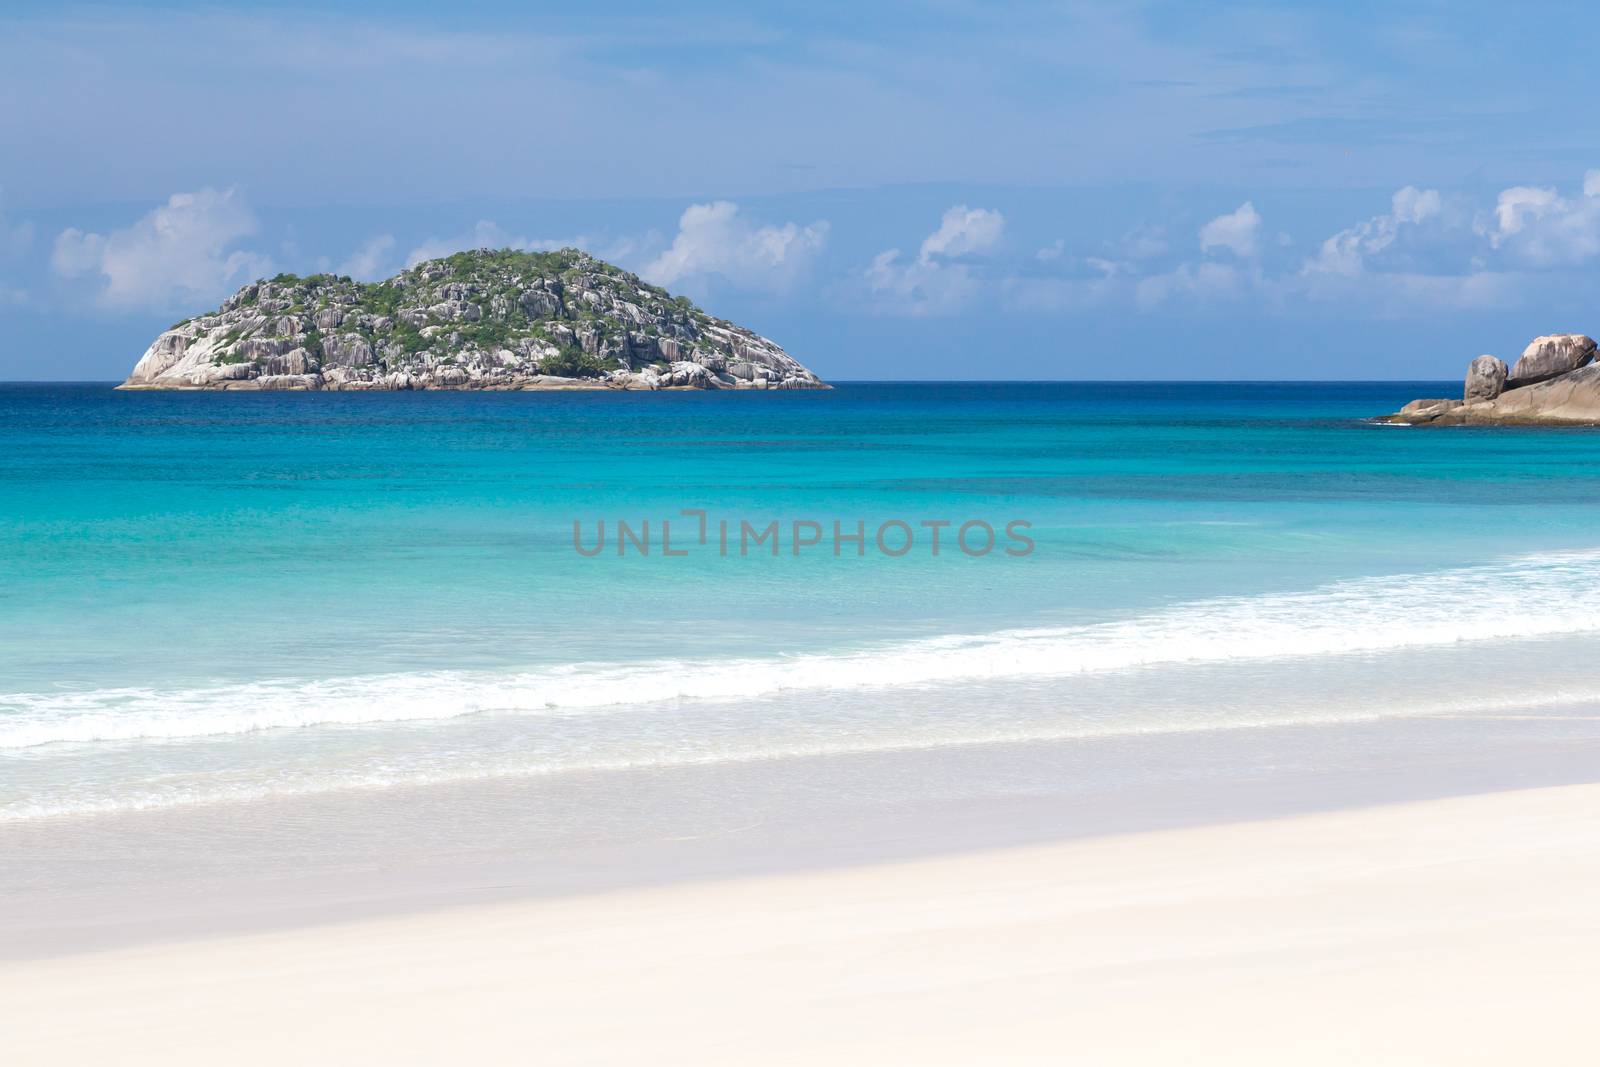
pixel 209 596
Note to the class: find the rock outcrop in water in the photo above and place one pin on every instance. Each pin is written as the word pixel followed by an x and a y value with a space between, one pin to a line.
pixel 1556 382
pixel 1550 357
pixel 475 320
pixel 1486 379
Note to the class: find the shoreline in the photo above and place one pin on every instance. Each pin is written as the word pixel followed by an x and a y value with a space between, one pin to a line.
pixel 84 884
pixel 560 385
pixel 1366 934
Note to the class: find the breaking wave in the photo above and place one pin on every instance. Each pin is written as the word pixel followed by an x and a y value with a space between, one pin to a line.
pixel 1534 596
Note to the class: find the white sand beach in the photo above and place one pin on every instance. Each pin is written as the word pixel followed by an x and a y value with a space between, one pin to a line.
pixel 1452 931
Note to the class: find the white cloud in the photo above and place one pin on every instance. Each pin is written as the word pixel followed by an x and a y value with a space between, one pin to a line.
pixel 488 234
pixel 178 255
pixel 1124 256
pixel 1542 228
pixel 1415 205
pixel 1236 231
pixel 76 252
pixel 920 287
pixel 1479 290
pixel 1056 296
pixel 1398 293
pixel 713 239
pixel 484 234
pixel 963 231
pixel 1145 242
pixel 1383 263
pixel 1520 205
pixel 1204 281
pixel 371 261
pixel 938 280
pixel 1420 256
pixel 1346 253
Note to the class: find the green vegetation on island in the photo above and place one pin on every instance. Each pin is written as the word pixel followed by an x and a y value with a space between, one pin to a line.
pixel 486 319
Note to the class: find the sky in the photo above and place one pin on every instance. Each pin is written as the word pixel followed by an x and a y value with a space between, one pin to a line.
pixel 930 190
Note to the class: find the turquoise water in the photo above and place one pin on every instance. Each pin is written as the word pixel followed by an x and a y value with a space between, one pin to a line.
pixel 212 596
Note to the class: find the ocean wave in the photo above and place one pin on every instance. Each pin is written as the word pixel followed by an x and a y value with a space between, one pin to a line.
pixel 93 795
pixel 1528 597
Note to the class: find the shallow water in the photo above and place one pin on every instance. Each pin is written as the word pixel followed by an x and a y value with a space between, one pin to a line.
pixel 209 596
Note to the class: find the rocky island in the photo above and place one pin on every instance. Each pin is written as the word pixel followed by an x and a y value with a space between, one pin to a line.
pixel 475 320
pixel 1555 383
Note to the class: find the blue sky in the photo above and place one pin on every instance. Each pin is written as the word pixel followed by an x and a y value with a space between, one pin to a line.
pixel 922 190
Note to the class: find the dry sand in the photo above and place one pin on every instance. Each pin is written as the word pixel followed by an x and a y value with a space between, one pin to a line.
pixel 1460 931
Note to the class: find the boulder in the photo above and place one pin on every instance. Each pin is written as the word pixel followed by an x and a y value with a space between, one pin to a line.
pixel 686 375
pixel 1486 379
pixel 289 382
pixel 1421 411
pixel 294 361
pixel 234 372
pixel 259 348
pixel 539 304
pixel 346 350
pixel 1572 399
pixel 1549 356
pixel 636 381
pixel 1428 405
pixel 160 357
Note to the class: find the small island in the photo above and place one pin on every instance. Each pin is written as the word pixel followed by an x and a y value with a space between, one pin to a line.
pixel 1555 383
pixel 492 320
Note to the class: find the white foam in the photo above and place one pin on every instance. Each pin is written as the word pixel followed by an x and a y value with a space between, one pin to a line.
pixel 95 796
pixel 1529 597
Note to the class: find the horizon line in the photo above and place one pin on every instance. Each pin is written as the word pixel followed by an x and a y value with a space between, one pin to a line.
pixel 829 381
